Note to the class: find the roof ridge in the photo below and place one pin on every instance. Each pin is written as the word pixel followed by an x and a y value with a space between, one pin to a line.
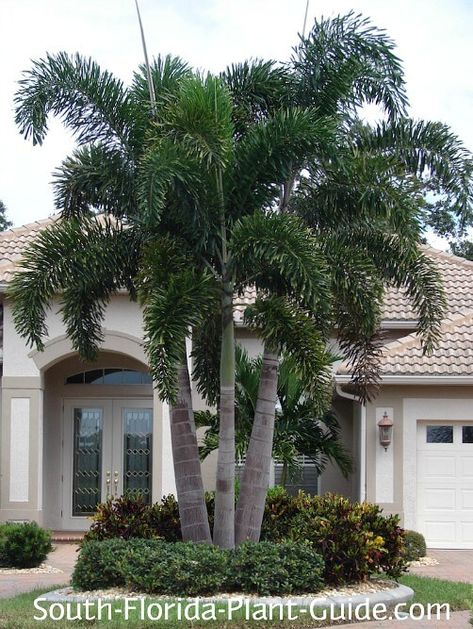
pixel 29 226
pixel 441 253
pixel 449 322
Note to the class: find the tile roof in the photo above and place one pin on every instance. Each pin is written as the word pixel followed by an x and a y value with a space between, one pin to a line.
pixel 14 241
pixel 457 275
pixel 452 357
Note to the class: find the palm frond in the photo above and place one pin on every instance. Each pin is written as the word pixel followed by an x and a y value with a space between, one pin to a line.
pixel 85 262
pixel 278 253
pixel 344 62
pixel 92 103
pixel 96 177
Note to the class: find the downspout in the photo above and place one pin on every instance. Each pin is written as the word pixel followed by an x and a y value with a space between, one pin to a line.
pixel 362 448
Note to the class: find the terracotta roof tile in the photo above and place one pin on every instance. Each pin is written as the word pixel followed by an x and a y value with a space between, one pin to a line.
pixel 14 241
pixel 457 275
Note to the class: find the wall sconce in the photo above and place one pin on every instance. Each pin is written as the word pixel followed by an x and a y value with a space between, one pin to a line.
pixel 385 426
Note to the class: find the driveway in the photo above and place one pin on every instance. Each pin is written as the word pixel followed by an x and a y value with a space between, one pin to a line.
pixel 63 557
pixel 454 565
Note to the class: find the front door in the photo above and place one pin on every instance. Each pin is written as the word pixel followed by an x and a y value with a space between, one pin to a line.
pixel 107 451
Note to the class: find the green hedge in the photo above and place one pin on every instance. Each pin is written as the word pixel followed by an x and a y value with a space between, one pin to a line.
pixel 23 545
pixel 414 545
pixel 354 539
pixel 187 569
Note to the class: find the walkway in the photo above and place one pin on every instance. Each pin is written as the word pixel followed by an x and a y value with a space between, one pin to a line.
pixel 63 557
pixel 454 565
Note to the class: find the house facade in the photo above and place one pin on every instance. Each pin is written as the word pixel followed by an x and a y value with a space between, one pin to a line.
pixel 75 433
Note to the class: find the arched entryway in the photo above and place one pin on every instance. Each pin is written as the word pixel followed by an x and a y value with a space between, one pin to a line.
pixel 104 432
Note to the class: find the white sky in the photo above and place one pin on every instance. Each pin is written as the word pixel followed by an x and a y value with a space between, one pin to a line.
pixel 433 36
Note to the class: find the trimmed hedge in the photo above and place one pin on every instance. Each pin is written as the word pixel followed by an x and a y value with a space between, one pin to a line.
pixel 187 569
pixel 23 545
pixel 354 539
pixel 414 545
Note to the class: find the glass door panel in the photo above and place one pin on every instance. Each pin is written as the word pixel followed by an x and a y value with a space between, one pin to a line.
pixel 87 460
pixel 137 451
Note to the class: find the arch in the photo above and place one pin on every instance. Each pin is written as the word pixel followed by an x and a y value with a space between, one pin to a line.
pixel 59 348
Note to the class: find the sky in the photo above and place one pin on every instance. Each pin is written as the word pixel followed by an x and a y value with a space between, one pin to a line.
pixel 433 39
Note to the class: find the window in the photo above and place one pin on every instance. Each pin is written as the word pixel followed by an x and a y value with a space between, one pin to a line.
pixel 110 376
pixel 467 434
pixel 439 434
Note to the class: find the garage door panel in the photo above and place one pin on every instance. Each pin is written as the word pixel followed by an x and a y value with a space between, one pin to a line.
pixel 466 464
pixel 438 466
pixel 445 488
pixel 466 499
pixel 435 499
pixel 437 531
pixel 466 532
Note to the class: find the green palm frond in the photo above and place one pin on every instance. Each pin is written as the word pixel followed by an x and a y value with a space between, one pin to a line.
pixel 270 153
pixel 170 310
pixel 431 152
pixel 287 328
pixel 200 119
pixel 278 253
pixel 85 263
pixel 344 62
pixel 96 177
pixel 258 89
pixel 93 104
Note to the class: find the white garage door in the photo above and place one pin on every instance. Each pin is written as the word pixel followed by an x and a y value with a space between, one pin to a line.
pixel 445 483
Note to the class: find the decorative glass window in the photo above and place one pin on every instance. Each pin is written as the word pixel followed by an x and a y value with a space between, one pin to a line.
pixel 110 376
pixel 467 434
pixel 87 460
pixel 439 434
pixel 137 442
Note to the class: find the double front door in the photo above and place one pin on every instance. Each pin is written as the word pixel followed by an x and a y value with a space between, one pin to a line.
pixel 107 451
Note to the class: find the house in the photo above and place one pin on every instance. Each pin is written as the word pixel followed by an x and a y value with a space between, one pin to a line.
pixel 74 433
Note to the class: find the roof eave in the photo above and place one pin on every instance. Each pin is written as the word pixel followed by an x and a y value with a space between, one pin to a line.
pixel 428 379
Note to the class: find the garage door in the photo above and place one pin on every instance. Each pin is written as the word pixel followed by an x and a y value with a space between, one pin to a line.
pixel 445 483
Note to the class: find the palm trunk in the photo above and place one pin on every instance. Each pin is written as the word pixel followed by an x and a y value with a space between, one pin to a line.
pixel 190 488
pixel 224 523
pixel 256 473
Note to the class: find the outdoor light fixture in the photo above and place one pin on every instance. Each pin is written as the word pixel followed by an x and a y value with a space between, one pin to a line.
pixel 385 426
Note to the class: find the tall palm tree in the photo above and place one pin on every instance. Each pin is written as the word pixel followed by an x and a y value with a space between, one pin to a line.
pixel 110 123
pixel 182 189
pixel 367 203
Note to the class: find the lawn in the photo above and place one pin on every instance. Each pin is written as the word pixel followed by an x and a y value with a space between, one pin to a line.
pixel 18 612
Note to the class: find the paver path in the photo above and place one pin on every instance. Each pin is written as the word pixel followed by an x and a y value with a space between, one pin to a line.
pixel 63 557
pixel 458 620
pixel 454 565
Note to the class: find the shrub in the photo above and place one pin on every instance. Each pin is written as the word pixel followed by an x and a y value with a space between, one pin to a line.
pixel 354 539
pixel 267 568
pixel 178 569
pixel 414 545
pixel 24 545
pixel 187 569
pixel 124 517
pixel 101 564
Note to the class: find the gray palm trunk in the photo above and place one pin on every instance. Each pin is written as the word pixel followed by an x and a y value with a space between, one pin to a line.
pixel 256 473
pixel 187 470
pixel 224 521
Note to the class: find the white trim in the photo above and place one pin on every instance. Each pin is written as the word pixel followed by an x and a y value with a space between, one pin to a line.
pixel 426 379
pixel 362 455
pixel 399 324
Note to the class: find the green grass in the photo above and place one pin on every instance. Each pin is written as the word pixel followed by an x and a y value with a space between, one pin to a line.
pixel 18 612
pixel 458 595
